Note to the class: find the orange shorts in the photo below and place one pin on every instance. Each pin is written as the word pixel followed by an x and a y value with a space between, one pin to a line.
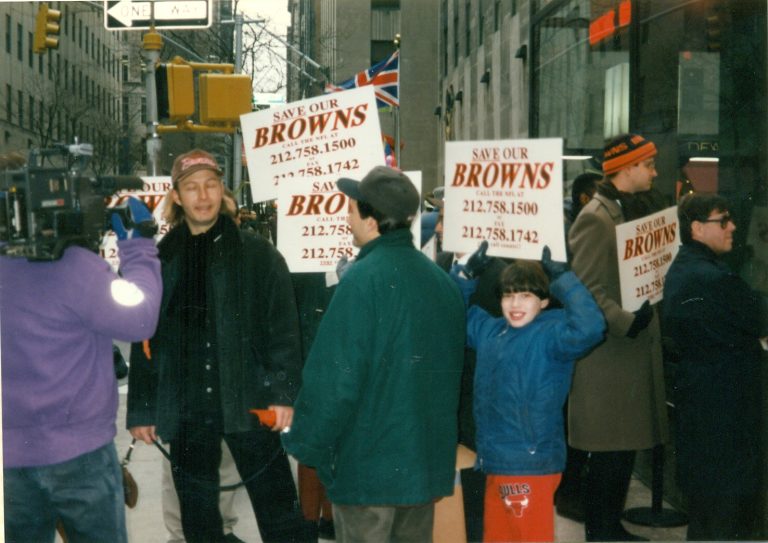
pixel 519 508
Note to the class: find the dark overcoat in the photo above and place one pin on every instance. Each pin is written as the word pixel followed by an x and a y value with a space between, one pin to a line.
pixel 253 310
pixel 617 400
pixel 715 321
pixel 376 414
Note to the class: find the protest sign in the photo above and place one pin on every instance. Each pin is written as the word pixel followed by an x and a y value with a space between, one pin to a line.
pixel 152 194
pixel 324 138
pixel 508 192
pixel 313 234
pixel 646 248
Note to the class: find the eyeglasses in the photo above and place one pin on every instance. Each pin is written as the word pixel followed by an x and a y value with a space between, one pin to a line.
pixel 724 220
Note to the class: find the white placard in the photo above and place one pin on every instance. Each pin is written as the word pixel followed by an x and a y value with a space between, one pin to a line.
pixel 152 194
pixel 313 234
pixel 509 192
pixel 646 248
pixel 326 137
pixel 430 248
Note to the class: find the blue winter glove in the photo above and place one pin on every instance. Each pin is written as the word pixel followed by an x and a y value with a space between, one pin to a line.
pixel 477 262
pixel 551 268
pixel 132 219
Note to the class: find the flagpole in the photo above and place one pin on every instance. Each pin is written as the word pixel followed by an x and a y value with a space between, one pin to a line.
pixel 397 41
pixel 397 137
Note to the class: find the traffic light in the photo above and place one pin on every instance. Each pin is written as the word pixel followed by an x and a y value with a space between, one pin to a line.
pixel 46 29
pixel 224 97
pixel 175 91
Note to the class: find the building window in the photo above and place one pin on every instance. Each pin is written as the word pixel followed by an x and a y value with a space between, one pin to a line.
pixel 513 8
pixel 30 54
pixel 31 113
pixel 40 64
pixel 80 33
pixel 480 24
pixel 8 34
pixel 444 41
pixel 20 42
pixel 468 34
pixel 20 103
pixel 496 15
pixel 455 33
pixel 8 104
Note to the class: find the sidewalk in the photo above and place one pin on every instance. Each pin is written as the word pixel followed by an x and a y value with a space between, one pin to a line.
pixel 145 521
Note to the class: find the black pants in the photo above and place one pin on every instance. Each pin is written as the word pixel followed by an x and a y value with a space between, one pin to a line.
pixel 473 489
pixel 605 492
pixel 196 454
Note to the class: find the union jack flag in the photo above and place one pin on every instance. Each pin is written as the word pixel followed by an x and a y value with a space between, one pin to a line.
pixel 384 76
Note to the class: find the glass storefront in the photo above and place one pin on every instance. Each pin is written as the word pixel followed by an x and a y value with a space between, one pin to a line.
pixel 688 74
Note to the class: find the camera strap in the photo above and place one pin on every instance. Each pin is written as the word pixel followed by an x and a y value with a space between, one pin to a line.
pixel 222 488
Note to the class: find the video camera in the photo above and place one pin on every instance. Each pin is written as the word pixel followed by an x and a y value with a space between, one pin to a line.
pixel 44 210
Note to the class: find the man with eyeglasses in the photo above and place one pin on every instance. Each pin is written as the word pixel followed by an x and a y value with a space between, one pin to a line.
pixel 716 322
pixel 617 403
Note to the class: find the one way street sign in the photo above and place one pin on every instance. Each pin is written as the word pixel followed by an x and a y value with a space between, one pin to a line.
pixel 168 14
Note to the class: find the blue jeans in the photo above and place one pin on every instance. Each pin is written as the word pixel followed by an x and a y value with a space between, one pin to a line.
pixel 85 493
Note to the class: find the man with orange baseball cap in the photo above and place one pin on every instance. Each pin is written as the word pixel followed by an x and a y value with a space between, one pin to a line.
pixel 227 341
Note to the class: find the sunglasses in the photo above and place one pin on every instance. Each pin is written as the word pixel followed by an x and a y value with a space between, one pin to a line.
pixel 724 220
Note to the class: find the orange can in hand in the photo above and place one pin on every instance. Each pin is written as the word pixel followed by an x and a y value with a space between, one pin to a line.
pixel 267 417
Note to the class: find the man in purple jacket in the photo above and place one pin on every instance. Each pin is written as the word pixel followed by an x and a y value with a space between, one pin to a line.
pixel 57 323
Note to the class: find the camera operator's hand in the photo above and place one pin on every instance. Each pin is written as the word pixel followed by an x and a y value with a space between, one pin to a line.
pixel 551 268
pixel 138 220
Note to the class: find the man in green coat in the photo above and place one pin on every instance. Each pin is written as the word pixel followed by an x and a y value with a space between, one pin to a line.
pixel 377 411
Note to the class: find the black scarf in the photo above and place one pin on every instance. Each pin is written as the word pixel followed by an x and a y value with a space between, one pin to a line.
pixel 633 206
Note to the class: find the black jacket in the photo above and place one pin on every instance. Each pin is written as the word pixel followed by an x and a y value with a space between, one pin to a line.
pixel 252 306
pixel 715 321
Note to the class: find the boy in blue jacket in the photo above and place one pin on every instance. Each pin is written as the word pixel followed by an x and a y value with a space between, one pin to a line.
pixel 524 365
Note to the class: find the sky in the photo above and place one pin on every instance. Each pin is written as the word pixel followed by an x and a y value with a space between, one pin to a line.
pixel 276 11
pixel 277 17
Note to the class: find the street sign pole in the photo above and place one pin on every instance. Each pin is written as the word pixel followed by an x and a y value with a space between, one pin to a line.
pixel 152 44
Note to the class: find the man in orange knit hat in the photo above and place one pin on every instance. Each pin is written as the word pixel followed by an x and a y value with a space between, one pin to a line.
pixel 616 405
